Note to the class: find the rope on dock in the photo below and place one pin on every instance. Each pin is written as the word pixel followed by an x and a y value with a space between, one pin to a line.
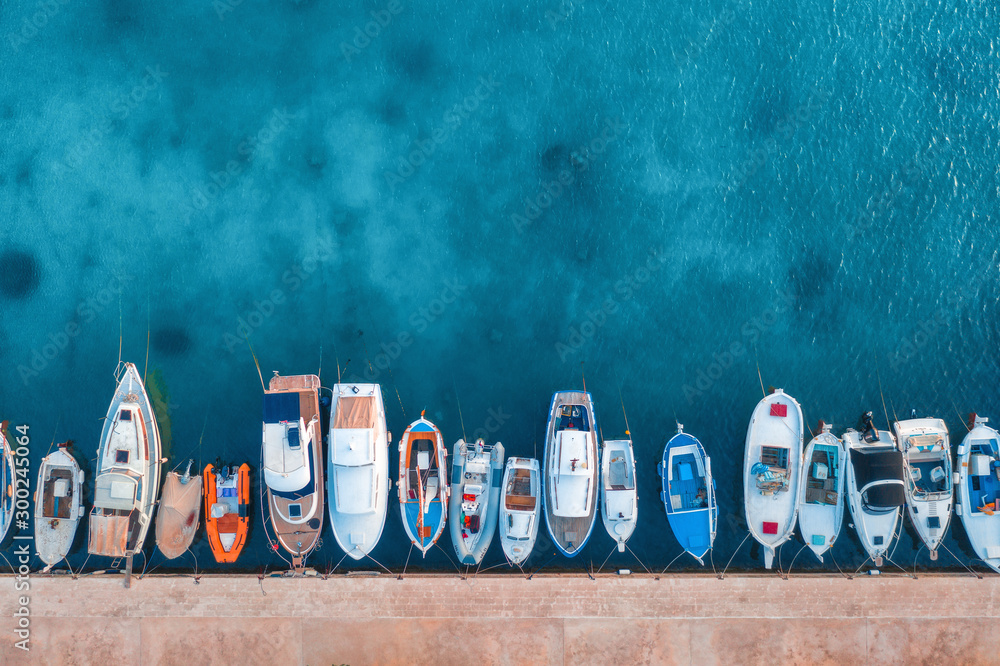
pixel 722 576
pixel 960 562
pixel 637 559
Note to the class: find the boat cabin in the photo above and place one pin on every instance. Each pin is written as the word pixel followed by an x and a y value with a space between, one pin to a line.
pixel 984 476
pixel 352 454
pixel 571 474
pixel 57 493
pixel 822 480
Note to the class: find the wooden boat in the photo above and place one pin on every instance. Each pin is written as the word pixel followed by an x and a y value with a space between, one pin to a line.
pixel 292 463
pixel 423 483
pixel 571 468
pixel 619 500
pixel 7 483
pixel 978 501
pixel 476 473
pixel 821 491
pixel 771 463
pixel 875 488
pixel 358 481
pixel 179 514
pixel 128 471
pixel 688 494
pixel 930 490
pixel 227 511
pixel 519 508
pixel 58 505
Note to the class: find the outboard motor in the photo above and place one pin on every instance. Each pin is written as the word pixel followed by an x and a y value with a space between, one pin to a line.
pixel 868 431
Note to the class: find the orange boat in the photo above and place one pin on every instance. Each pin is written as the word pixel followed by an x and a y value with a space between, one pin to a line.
pixel 227 511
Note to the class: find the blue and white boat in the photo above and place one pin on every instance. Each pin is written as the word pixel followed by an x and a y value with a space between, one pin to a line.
pixel 423 483
pixel 571 468
pixel 689 493
pixel 821 491
pixel 930 490
pixel 978 501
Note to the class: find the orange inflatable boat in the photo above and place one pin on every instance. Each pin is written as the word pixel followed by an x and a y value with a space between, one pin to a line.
pixel 227 510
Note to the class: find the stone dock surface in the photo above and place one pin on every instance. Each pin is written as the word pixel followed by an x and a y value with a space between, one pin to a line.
pixel 935 619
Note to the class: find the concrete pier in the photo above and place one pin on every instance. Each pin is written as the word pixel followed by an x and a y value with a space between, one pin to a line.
pixel 547 620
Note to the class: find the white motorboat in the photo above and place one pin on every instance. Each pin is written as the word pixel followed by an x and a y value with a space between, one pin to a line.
pixel 619 500
pixel 821 491
pixel 519 508
pixel 930 489
pixel 772 459
pixel 978 501
pixel 58 505
pixel 358 480
pixel 571 468
pixel 875 488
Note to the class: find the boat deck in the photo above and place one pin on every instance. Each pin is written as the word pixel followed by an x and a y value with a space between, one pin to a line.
pixel 570 532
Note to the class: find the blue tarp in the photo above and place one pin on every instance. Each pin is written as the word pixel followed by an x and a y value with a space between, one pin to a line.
pixel 280 407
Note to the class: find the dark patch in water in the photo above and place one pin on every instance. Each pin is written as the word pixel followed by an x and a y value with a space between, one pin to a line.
pixel 24 173
pixel 416 61
pixel 770 108
pixel 810 276
pixel 555 157
pixel 19 274
pixel 171 340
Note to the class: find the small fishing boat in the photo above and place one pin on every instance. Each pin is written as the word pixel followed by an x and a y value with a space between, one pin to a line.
pixel 179 513
pixel 571 468
pixel 978 500
pixel 875 488
pixel 58 504
pixel 619 500
pixel 519 508
pixel 128 471
pixel 358 482
pixel 6 481
pixel 292 463
pixel 821 491
pixel 476 474
pixel 930 489
pixel 227 510
pixel 688 494
pixel 771 476
pixel 423 483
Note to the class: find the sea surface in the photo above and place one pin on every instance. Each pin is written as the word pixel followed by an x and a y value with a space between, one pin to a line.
pixel 478 204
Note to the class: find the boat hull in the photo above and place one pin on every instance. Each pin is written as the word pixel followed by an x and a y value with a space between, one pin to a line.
pixel 520 508
pixel 227 531
pixel 978 501
pixel 358 530
pixel 692 519
pixel 619 498
pixel 179 515
pixel 127 482
pixel 876 528
pixel 821 500
pixel 423 490
pixel 58 505
pixel 570 533
pixel 774 440
pixel 476 476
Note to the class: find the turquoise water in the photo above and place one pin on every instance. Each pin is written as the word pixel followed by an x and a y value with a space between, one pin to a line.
pixel 477 204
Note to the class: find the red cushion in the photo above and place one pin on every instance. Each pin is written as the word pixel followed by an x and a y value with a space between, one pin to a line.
pixel 770 528
pixel 779 409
